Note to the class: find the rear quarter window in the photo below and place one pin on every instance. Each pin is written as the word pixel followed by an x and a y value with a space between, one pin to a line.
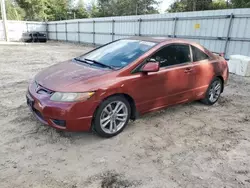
pixel 198 55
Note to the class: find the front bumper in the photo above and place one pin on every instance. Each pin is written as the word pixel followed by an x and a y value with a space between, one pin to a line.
pixel 68 116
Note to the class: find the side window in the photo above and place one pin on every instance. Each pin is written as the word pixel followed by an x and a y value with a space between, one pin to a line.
pixel 172 55
pixel 198 55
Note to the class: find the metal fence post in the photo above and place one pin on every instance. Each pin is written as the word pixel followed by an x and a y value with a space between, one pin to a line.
pixel 228 32
pixel 78 29
pixel 93 32
pixel 56 32
pixel 113 30
pixel 139 25
pixel 47 30
pixel 174 27
pixel 27 27
pixel 66 31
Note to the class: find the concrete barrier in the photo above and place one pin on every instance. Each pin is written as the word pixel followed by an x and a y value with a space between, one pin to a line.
pixel 239 64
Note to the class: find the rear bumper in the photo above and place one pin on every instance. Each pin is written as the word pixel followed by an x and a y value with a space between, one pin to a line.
pixel 61 115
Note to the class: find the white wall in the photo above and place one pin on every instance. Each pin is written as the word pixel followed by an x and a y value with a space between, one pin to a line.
pixel 17 28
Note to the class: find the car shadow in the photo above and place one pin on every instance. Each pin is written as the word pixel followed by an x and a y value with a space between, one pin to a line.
pixel 92 137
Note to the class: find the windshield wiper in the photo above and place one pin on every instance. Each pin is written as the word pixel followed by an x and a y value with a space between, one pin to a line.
pixel 83 61
pixel 99 63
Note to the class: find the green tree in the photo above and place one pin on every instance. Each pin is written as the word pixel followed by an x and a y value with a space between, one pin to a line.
pixel 40 10
pixel 94 11
pixel 79 11
pixel 57 10
pixel 177 6
pixel 240 3
pixel 190 5
pixel 143 6
pixel 220 4
pixel 34 9
pixel 13 11
pixel 124 7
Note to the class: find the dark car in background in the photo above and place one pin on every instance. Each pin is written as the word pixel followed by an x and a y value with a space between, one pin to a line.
pixel 34 37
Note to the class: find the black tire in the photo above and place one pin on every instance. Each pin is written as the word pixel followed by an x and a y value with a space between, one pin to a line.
pixel 207 100
pixel 29 40
pixel 43 40
pixel 96 122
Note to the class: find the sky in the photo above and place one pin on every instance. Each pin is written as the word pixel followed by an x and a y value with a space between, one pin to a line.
pixel 162 7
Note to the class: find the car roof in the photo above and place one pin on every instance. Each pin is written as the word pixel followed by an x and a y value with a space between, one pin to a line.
pixel 159 39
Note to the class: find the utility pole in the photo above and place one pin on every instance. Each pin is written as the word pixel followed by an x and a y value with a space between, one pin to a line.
pixel 3 10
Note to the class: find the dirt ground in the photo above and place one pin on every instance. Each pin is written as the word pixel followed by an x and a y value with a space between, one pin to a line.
pixel 189 145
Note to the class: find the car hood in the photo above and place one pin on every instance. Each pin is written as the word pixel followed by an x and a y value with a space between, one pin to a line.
pixel 69 76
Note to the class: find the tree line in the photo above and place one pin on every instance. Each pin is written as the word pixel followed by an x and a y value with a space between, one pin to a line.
pixel 49 10
pixel 198 5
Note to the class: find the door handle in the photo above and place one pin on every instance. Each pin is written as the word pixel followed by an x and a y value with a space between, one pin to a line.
pixel 188 70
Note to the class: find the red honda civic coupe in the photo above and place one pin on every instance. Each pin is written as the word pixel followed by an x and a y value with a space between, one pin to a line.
pixel 106 87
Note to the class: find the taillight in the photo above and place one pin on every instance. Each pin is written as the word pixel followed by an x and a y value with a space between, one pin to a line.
pixel 222 54
pixel 226 70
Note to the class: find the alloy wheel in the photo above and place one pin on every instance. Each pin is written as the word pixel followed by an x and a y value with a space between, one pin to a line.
pixel 214 91
pixel 113 117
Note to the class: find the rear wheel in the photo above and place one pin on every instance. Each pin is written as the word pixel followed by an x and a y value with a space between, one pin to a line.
pixel 213 92
pixel 112 116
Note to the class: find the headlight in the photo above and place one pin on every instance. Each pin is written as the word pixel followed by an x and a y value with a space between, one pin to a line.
pixel 71 97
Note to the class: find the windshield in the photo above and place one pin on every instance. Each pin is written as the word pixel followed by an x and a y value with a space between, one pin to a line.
pixel 119 53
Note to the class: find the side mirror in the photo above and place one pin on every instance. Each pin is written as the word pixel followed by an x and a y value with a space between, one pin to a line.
pixel 151 67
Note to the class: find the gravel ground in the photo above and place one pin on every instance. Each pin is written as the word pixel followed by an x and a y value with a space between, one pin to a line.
pixel 189 145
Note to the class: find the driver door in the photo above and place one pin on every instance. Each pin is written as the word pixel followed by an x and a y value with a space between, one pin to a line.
pixel 172 84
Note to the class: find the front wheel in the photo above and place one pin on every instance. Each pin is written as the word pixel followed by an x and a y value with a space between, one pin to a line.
pixel 112 116
pixel 213 92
